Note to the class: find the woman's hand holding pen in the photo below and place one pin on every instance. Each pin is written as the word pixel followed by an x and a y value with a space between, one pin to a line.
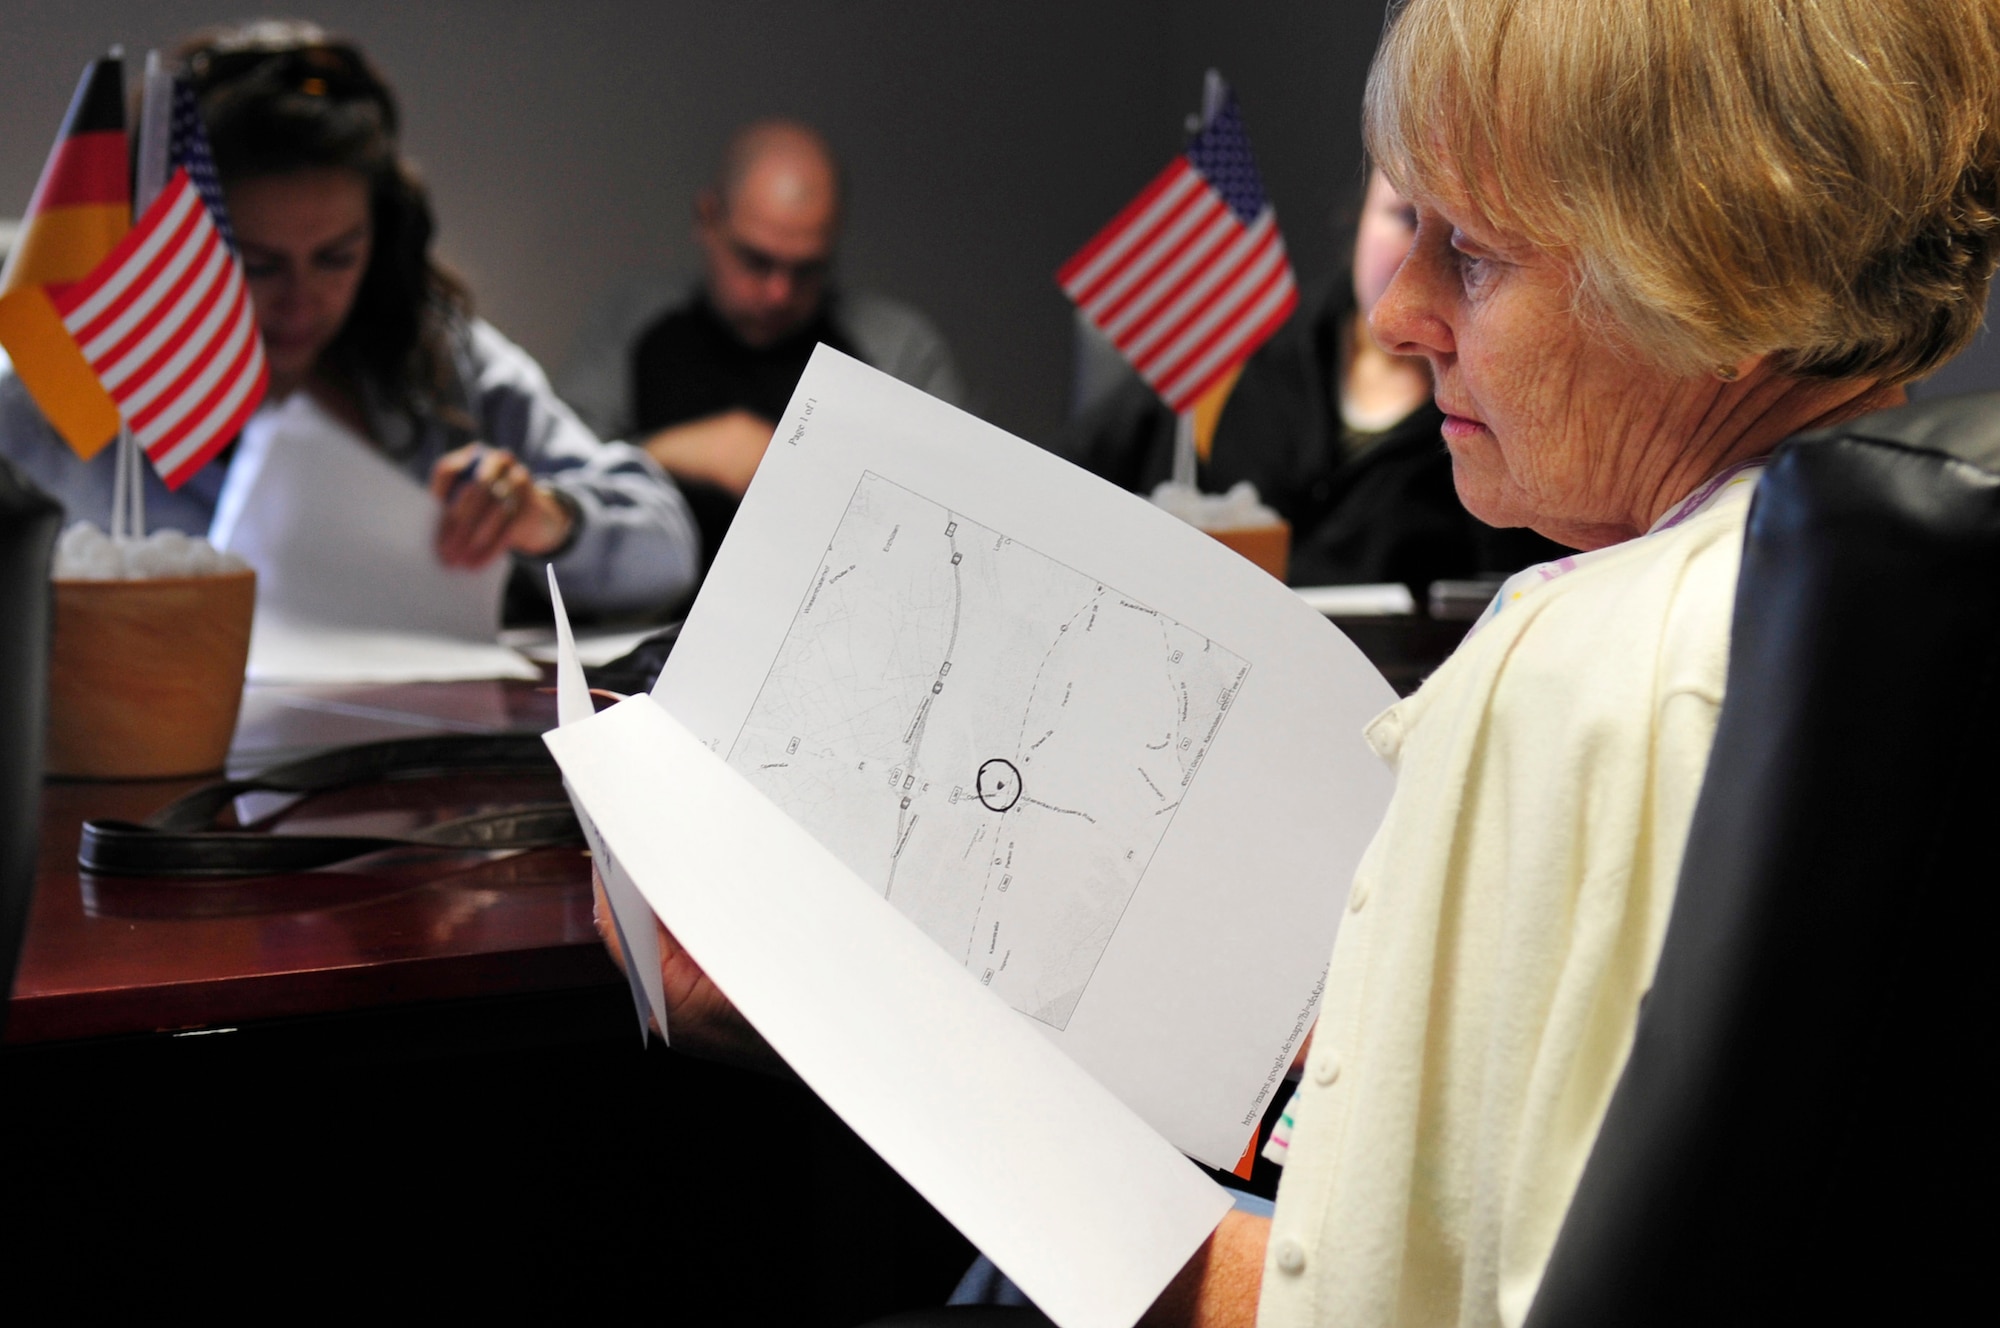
pixel 491 504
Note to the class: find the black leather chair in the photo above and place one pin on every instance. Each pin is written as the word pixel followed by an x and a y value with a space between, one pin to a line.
pixel 1802 1134
pixel 29 521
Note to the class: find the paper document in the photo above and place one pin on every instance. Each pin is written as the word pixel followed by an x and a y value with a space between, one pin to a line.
pixel 1388 600
pixel 284 651
pixel 1071 1194
pixel 349 587
pixel 1114 771
pixel 1015 813
pixel 595 647
pixel 631 916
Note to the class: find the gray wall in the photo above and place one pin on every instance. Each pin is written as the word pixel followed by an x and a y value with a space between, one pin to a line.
pixel 1977 368
pixel 1298 69
pixel 984 141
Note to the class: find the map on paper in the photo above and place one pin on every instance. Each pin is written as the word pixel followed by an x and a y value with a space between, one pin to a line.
pixel 994 740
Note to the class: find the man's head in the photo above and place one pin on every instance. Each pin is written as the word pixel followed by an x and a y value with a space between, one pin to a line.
pixel 766 226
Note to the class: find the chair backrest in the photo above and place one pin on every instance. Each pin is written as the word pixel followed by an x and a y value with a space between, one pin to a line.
pixel 1802 1122
pixel 1097 367
pixel 29 521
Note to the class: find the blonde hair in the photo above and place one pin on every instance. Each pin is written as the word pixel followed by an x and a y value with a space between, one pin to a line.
pixel 1818 180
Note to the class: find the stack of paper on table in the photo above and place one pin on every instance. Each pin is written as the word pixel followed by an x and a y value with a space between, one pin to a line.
pixel 349 587
pixel 595 648
pixel 1375 600
pixel 1014 813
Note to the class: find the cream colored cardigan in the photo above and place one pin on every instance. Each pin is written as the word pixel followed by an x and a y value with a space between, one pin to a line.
pixel 1501 930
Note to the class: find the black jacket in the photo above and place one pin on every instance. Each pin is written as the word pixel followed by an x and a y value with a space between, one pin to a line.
pixel 1390 513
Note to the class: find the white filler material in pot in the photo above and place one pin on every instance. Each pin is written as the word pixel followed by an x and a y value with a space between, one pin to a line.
pixel 86 553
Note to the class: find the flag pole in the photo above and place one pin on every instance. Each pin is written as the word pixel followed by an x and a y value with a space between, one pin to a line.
pixel 1213 91
pixel 156 112
pixel 138 455
pixel 119 472
pixel 1184 453
pixel 156 108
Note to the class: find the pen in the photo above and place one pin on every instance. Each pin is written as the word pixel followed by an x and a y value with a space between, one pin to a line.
pixel 464 476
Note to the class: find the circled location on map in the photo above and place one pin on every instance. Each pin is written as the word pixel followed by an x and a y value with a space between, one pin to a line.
pixel 999 784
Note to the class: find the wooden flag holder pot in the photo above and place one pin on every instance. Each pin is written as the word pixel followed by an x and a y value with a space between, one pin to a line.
pixel 1268 546
pixel 147 676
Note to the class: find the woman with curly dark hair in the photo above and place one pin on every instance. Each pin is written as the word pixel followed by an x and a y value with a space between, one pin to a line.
pixel 335 232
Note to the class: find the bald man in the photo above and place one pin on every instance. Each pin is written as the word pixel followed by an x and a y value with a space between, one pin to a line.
pixel 698 373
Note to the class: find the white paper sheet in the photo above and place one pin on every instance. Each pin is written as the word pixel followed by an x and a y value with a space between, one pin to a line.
pixel 1366 601
pixel 1113 769
pixel 631 916
pixel 595 647
pixel 1068 1191
pixel 282 651
pixel 349 588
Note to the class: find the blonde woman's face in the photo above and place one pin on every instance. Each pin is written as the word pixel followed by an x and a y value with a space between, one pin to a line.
pixel 1549 425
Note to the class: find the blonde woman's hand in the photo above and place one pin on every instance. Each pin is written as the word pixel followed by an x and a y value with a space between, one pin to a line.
pixel 701 1020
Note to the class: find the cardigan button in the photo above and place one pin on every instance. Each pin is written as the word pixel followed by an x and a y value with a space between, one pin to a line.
pixel 1326 1068
pixel 1357 898
pixel 1291 1257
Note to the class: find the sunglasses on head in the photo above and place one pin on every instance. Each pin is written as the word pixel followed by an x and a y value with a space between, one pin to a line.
pixel 331 69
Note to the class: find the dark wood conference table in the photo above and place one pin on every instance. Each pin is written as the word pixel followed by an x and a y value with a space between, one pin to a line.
pixel 116 956
pixel 107 956
pixel 418 1071
pixel 415 1079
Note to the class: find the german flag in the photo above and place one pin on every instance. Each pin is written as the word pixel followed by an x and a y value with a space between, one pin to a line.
pixel 81 209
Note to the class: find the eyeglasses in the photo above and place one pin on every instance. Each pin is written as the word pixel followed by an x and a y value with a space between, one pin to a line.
pixel 331 69
pixel 763 266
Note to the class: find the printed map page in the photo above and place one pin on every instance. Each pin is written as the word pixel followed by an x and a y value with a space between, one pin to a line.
pixel 994 740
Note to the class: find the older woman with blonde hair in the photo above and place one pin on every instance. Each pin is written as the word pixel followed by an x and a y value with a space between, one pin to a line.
pixel 1654 240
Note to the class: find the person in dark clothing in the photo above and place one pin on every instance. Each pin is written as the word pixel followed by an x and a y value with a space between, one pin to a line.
pixel 698 372
pixel 691 365
pixel 696 382
pixel 1340 438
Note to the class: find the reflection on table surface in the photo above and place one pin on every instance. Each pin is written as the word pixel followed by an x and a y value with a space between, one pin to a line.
pixel 117 955
pixel 108 955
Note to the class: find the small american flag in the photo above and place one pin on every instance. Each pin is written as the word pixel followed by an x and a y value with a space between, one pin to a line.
pixel 1192 276
pixel 165 321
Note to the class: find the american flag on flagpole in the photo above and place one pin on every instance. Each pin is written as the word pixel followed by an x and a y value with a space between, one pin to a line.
pixel 166 324
pixel 1192 276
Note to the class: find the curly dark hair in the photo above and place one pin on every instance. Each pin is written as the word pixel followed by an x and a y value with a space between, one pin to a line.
pixel 281 96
